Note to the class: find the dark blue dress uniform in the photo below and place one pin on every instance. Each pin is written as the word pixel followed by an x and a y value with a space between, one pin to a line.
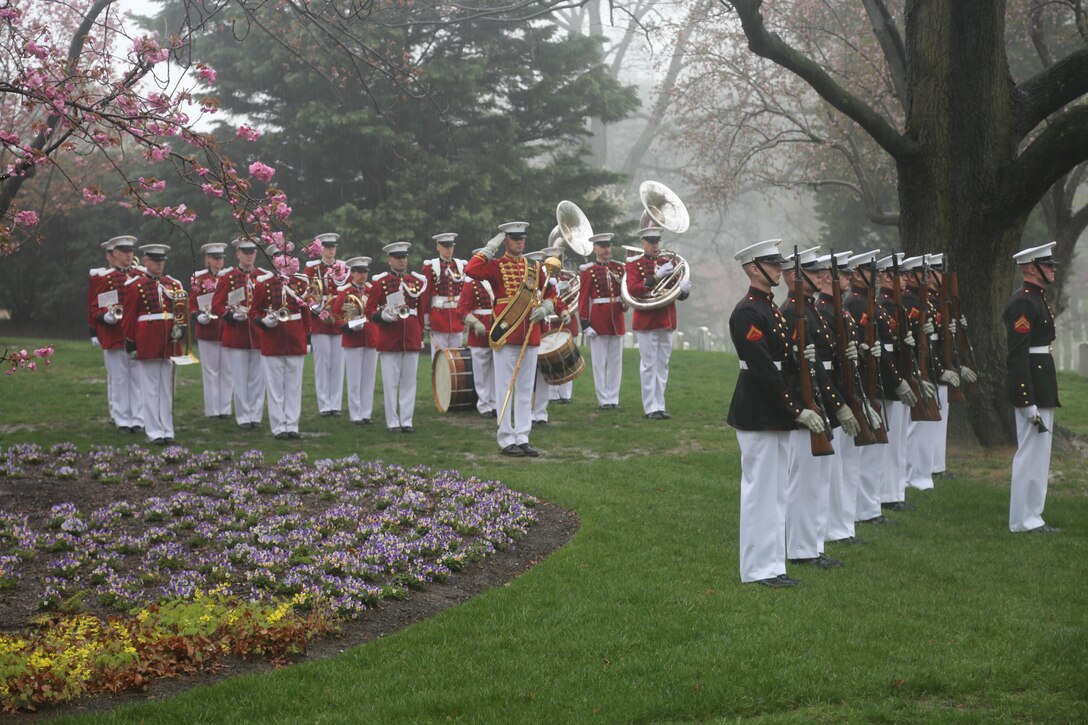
pixel 1029 324
pixel 762 399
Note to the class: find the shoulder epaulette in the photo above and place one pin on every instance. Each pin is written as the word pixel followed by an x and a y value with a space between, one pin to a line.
pixel 427 261
pixel 313 263
pixel 200 272
pixel 380 275
pixel 168 278
pixel 132 279
pixel 343 287
pixel 420 276
pixel 223 272
pixel 262 270
pixel 97 271
pixel 636 257
pixel 265 277
pixel 587 265
pixel 139 268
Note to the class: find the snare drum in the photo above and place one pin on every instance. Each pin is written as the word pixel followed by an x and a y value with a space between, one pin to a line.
pixel 451 380
pixel 559 359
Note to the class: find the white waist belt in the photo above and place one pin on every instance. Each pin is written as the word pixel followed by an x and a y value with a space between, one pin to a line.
pixel 443 304
pixel 291 318
pixel 828 364
pixel 889 347
pixel 603 300
pixel 481 312
pixel 744 365
pixel 155 316
pixel 1039 350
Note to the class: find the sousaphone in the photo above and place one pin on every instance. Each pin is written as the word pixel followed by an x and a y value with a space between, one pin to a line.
pixel 662 208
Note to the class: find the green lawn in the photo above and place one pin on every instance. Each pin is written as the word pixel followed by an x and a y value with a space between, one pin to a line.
pixel 641 618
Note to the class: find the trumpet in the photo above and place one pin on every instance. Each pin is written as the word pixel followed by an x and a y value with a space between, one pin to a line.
pixel 282 314
pixel 118 311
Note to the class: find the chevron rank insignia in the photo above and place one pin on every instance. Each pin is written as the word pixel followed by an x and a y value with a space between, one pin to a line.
pixel 1022 325
pixel 754 334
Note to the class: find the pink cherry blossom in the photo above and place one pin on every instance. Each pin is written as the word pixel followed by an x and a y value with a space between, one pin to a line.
pixel 246 133
pixel 261 172
pixel 206 73
pixel 26 218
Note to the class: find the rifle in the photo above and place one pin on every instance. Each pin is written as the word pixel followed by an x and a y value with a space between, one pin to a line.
pixel 927 365
pixel 962 341
pixel 820 443
pixel 908 365
pixel 874 385
pixel 849 377
pixel 949 354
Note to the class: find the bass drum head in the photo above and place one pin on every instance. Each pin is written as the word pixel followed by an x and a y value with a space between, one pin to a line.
pixel 451 380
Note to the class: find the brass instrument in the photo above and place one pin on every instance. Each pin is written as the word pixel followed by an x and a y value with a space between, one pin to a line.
pixel 573 227
pixel 569 285
pixel 663 208
pixel 353 308
pixel 118 311
pixel 315 293
pixel 283 314
pixel 180 314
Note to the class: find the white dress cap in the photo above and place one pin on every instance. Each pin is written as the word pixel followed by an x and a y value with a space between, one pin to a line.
pixel 358 262
pixel 214 248
pixel 329 239
pixel 514 227
pixel 605 238
pixel 397 248
pixel 243 243
pixel 765 251
pixel 806 256
pixel 445 238
pixel 122 241
pixel 911 263
pixel 155 249
pixel 819 264
pixel 885 264
pixel 552 252
pixel 935 260
pixel 1041 253
pixel 859 260
pixel 842 259
pixel 649 233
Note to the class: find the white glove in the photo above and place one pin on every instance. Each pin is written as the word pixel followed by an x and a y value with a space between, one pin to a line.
pixel 564 318
pixel 96 342
pixel 270 320
pixel 851 351
pixel 203 318
pixel 663 270
pixel 810 353
pixel 356 323
pixel 109 319
pixel 547 307
pixel 847 420
pixel 1028 412
pixel 968 374
pixel 474 322
pixel 685 285
pixel 316 309
pixel 950 378
pixel 239 316
pixel 872 416
pixel 927 327
pixel 929 390
pixel 389 315
pixel 493 244
pixel 590 332
pixel 876 351
pixel 963 322
pixel 905 394
pixel 952 326
pixel 908 340
pixel 309 348
pixel 811 419
pixel 176 333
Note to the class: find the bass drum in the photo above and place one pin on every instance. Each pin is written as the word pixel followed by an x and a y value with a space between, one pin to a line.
pixel 558 358
pixel 451 380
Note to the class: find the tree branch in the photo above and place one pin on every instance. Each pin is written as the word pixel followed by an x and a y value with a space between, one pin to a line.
pixel 892 44
pixel 1054 152
pixel 1051 89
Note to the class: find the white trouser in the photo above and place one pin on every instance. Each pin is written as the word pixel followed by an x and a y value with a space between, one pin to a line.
pixel 842 499
pixel 362 369
pixel 483 378
pixel 399 387
pixel 918 464
pixel 870 478
pixel 561 391
pixel 764 461
pixel 247 379
pixel 122 388
pixel 215 374
pixel 516 422
pixel 940 439
pixel 807 488
pixel 1030 472
pixel 542 393
pixel 328 371
pixel 444 341
pixel 283 380
pixel 156 397
pixel 892 481
pixel 606 355
pixel 654 349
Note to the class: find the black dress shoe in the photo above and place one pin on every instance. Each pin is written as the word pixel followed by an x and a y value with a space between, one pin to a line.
pixel 947 475
pixel 897 506
pixel 407 429
pixel 294 435
pixel 282 436
pixel 539 423
pixel 136 429
pixel 169 440
pixel 781 581
pixel 326 413
pixel 224 416
pixel 563 401
pixel 1044 529
pixel 663 415
pixel 881 519
pixel 492 414
pixel 123 429
pixel 335 413
pixel 513 451
pixel 528 450
pixel 159 441
pixel 852 540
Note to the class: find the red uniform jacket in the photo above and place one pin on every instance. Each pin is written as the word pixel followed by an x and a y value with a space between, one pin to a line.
pixel 439 302
pixel 328 326
pixel 401 335
pixel 105 280
pixel 476 299
pixel 639 270
pixel 360 337
pixel 201 290
pixel 271 293
pixel 600 304
pixel 505 275
pixel 149 316
pixel 238 334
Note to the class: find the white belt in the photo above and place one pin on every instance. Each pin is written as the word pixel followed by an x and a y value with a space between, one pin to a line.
pixel 155 316
pixel 481 312
pixel 291 318
pixel 413 312
pixel 889 347
pixel 1039 350
pixel 933 337
pixel 443 304
pixel 828 365
pixel 744 365
pixel 604 300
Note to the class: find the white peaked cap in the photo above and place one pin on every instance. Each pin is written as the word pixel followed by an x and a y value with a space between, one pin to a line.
pixel 122 241
pixel 805 256
pixel 445 237
pixel 935 260
pixel 329 239
pixel 604 238
pixel 886 263
pixel 913 262
pixel 359 262
pixel 155 249
pixel 513 227
pixel 214 248
pixel 243 243
pixel 1041 253
pixel 649 233
pixel 397 248
pixel 765 251
pixel 863 258
pixel 819 264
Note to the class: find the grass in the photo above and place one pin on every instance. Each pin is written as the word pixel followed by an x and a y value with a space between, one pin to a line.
pixel 945 618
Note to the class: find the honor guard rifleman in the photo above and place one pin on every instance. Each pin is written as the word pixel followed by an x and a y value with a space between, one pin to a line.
pixel 601 310
pixel 519 285
pixel 325 333
pixel 764 411
pixel 214 369
pixel 1031 386
pixel 154 303
pixel 281 310
pixel 360 345
pixel 393 307
pixel 105 313
pixel 475 308
pixel 445 276
pixel 240 337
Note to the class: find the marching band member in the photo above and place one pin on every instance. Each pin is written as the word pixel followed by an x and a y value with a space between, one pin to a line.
pixel 152 338
pixel 601 310
pixel 474 308
pixel 360 350
pixel 1031 386
pixel 394 309
pixel 214 370
pixel 505 274
pixel 445 278
pixel 240 337
pixel 653 328
pixel 562 392
pixel 543 391
pixel 104 300
pixel 325 333
pixel 282 312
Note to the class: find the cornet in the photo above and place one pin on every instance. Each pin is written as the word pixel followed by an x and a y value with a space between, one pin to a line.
pixel 118 311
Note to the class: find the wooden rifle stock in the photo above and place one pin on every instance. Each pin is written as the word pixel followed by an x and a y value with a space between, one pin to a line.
pixel 931 409
pixel 963 344
pixel 948 341
pixel 848 371
pixel 873 387
pixel 820 442
pixel 908 366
